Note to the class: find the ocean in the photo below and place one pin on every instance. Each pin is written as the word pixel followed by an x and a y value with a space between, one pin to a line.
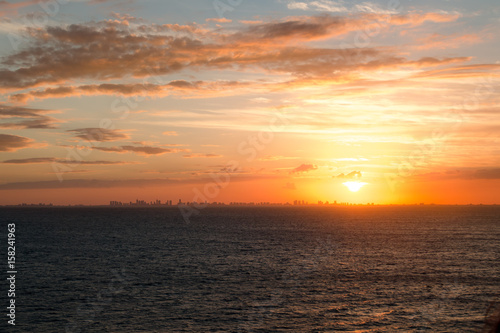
pixel 253 269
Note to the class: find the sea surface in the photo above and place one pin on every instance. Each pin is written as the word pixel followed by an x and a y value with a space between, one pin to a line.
pixel 251 269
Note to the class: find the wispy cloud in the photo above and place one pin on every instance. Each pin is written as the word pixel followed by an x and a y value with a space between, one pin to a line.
pixel 36 160
pixel 459 173
pixel 11 8
pixel 350 175
pixel 99 134
pixel 14 142
pixel 107 50
pixel 117 183
pixel 341 7
pixel 148 89
pixel 201 156
pixel 304 168
pixel 219 20
pixel 276 158
pixel 439 41
pixel 25 118
pixel 141 150
pixel 320 5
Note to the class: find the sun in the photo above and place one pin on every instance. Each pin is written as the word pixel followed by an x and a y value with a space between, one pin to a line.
pixel 354 186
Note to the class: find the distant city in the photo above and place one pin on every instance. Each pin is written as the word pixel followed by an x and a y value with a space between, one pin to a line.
pixel 170 203
pixel 263 203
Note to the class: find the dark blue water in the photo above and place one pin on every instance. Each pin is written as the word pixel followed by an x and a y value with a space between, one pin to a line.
pixel 296 269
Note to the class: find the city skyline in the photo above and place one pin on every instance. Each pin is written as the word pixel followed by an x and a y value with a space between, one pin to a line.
pixel 201 205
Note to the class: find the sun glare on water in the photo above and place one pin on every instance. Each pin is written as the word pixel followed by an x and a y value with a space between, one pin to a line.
pixel 354 186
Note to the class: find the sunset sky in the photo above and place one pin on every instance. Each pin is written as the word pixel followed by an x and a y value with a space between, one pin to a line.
pixel 249 100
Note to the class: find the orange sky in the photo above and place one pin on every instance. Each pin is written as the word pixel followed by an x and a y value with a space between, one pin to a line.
pixel 259 101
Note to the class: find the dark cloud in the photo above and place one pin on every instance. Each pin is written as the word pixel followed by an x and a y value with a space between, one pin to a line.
pixel 350 175
pixel 14 142
pixel 108 50
pixel 177 86
pixel 99 51
pixel 305 168
pixel 35 160
pixel 306 28
pixel 300 29
pixel 17 111
pixel 201 156
pixel 493 173
pixel 31 160
pixel 143 150
pixel 47 93
pixel 147 150
pixel 94 162
pixel 41 122
pixel 110 149
pixel 84 183
pixel 98 134
pixel 101 183
pixel 459 173
pixel 25 118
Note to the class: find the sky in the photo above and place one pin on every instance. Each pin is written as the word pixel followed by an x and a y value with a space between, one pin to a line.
pixel 240 101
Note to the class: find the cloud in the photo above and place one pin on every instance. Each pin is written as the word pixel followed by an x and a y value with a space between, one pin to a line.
pixel 367 7
pixel 101 183
pixel 31 160
pixel 86 183
pixel 107 50
pixel 201 156
pixel 170 133
pixel 350 175
pixel 138 89
pixel 438 41
pixel 464 71
pixel 41 122
pixel 99 50
pixel 147 150
pixel 250 21
pixel 98 134
pixel 492 173
pixel 295 29
pixel 10 9
pixel 276 158
pixel 142 150
pixel 351 159
pixel 35 160
pixel 418 18
pixel 94 89
pixel 321 5
pixel 305 168
pixel 370 7
pixel 14 142
pixel 47 93
pixel 25 118
pixel 459 173
pixel 219 20
pixel 65 161
pixel 262 100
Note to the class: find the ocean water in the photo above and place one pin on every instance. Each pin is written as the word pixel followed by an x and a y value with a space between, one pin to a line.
pixel 268 269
